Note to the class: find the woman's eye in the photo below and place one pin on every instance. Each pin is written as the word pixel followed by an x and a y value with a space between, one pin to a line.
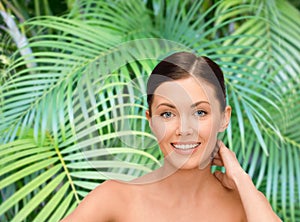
pixel 200 113
pixel 167 115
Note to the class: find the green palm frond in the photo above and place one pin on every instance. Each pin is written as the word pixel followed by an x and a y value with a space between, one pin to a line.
pixel 72 111
pixel 276 176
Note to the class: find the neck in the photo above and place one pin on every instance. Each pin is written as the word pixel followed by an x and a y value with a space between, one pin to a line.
pixel 185 182
pixel 178 183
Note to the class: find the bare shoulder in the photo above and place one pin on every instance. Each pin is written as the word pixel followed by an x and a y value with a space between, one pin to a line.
pixel 232 205
pixel 103 204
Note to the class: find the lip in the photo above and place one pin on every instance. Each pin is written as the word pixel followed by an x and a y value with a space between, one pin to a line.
pixel 187 151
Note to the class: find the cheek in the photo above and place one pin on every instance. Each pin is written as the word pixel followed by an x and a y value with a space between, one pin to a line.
pixel 207 128
pixel 162 129
pixel 158 128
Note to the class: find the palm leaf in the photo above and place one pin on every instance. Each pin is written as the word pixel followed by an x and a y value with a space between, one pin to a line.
pixel 76 117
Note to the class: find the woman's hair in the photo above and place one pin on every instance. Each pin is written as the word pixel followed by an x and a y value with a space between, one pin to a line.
pixel 182 65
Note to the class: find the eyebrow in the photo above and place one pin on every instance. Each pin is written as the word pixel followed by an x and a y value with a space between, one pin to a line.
pixel 173 107
pixel 198 103
pixel 166 104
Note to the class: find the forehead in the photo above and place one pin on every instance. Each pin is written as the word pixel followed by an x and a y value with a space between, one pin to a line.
pixel 185 91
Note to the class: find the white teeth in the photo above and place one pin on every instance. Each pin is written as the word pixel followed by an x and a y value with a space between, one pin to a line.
pixel 185 146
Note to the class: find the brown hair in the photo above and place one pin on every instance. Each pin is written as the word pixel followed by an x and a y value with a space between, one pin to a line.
pixel 181 65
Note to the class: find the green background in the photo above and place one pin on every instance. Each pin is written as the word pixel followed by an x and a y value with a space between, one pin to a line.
pixel 72 96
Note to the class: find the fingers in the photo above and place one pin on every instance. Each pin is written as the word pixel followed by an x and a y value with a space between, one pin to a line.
pixel 230 161
pixel 217 163
pixel 215 151
pixel 223 148
pixel 217 160
pixel 224 156
pixel 219 175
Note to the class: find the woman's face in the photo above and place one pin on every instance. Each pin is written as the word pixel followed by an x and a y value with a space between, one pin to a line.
pixel 186 118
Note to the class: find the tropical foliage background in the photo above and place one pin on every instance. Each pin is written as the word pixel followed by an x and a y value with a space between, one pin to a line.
pixel 72 96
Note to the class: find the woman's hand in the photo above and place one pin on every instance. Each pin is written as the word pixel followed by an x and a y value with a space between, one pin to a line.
pixel 237 179
pixel 233 169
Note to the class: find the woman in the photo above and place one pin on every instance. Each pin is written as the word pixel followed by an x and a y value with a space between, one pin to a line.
pixel 187 111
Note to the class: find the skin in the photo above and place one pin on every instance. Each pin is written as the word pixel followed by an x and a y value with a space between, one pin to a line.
pixel 183 189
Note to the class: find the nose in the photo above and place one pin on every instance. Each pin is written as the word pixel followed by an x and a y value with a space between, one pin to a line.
pixel 184 128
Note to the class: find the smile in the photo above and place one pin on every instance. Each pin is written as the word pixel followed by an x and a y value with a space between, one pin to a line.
pixel 185 148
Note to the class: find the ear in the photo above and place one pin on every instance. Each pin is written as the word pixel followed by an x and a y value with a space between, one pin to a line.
pixel 148 118
pixel 148 115
pixel 226 119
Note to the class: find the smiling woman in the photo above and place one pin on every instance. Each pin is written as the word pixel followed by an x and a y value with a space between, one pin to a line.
pixel 191 92
pixel 187 110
